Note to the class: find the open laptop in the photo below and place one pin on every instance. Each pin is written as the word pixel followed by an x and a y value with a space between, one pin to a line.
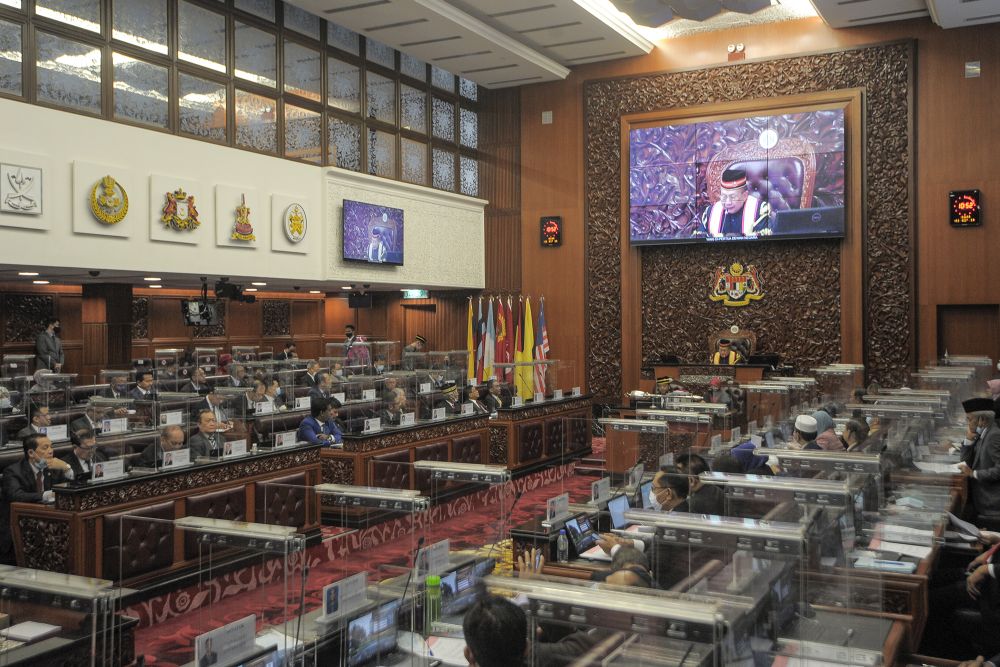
pixel 584 539
pixel 825 220
pixel 644 490
pixel 371 637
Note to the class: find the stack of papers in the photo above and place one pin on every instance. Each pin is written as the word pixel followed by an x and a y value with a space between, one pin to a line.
pixel 30 631
pixel 938 468
pixel 894 533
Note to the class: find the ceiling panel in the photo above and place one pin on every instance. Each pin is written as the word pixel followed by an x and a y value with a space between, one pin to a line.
pixel 962 13
pixel 852 13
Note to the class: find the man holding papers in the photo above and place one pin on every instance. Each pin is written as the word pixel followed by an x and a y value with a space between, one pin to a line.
pixel 981 459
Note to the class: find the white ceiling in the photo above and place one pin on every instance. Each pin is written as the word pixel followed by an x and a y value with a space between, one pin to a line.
pixel 946 13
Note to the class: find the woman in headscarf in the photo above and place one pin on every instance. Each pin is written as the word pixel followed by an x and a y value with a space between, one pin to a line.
pixel 826 436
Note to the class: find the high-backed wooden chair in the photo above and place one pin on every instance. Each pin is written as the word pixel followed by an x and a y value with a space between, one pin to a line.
pixel 783 176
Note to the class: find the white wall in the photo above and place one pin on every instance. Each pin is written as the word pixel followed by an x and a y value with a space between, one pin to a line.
pixel 66 235
pixel 443 236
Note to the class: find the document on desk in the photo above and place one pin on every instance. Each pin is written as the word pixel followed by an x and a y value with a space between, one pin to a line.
pixel 938 468
pixel 966 530
pixel 596 553
pixel 912 550
pixel 448 650
pixel 905 534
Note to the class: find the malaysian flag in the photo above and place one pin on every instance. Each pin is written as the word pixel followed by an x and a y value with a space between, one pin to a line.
pixel 541 349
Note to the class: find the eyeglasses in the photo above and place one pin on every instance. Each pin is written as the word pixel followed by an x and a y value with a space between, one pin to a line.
pixel 732 196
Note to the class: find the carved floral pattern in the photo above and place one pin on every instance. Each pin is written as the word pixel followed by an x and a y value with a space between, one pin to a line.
pixel 498 445
pixel 277 318
pixel 24 315
pixel 46 550
pixel 444 431
pixel 801 319
pixel 140 317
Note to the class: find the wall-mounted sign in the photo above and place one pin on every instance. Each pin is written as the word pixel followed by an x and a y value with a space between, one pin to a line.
pixel 242 229
pixel 179 212
pixel 737 285
pixel 108 201
pixel 415 294
pixel 551 231
pixel 294 222
pixel 965 208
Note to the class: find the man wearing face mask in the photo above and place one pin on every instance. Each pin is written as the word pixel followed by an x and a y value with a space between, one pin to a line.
pixel 981 458
pixel 117 387
pixel 48 347
pixel 668 493
pixel 38 419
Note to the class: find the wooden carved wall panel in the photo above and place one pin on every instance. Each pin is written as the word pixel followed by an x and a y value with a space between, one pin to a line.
pixel 215 330
pixel 277 318
pixel 24 315
pixel 675 306
pixel 140 317
pixel 884 72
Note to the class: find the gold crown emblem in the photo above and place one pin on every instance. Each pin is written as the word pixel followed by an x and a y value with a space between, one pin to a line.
pixel 736 269
pixel 180 194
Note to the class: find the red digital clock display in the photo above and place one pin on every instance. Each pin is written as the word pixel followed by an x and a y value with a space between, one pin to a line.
pixel 965 208
pixel 551 231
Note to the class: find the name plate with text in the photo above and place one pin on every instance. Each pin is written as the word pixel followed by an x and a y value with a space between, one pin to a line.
pixel 177 458
pixel 373 425
pixel 234 448
pixel 438 414
pixel 467 408
pixel 407 419
pixel 107 470
pixel 557 394
pixel 303 403
pixel 119 425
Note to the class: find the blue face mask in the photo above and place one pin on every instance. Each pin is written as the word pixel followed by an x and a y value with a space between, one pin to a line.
pixel 979 430
pixel 121 388
pixel 280 392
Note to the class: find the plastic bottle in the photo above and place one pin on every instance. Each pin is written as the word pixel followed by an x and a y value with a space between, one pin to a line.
pixel 432 604
pixel 562 546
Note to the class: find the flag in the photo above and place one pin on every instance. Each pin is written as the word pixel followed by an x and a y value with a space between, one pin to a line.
pixel 511 344
pixel 480 342
pixel 517 351
pixel 541 349
pixel 470 345
pixel 499 355
pixel 525 374
pixel 489 347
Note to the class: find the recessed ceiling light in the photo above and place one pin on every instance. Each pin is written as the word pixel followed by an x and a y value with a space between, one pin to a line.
pixel 155 286
pixel 315 291
pixel 250 289
pixel 151 279
pixel 40 282
pixel 27 273
pixel 259 284
pixel 346 287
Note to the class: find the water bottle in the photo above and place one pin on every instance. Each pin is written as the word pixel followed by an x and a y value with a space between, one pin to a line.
pixel 432 605
pixel 562 546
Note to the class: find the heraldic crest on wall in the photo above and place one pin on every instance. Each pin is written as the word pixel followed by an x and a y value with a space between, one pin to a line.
pixel 243 230
pixel 295 223
pixel 108 201
pixel 737 285
pixel 179 212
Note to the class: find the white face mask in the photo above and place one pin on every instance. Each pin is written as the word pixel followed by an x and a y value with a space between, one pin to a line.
pixel 4 402
pixel 979 430
pixel 654 503
pixel 41 463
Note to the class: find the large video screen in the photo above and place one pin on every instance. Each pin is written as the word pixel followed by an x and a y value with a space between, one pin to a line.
pixel 763 177
pixel 373 233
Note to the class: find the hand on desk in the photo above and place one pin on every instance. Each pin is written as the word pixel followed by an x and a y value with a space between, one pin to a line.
pixel 607 542
pixel 989 537
pixel 975 580
pixel 530 564
pixel 965 469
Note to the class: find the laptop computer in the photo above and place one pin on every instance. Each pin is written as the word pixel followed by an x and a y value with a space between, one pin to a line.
pixel 617 507
pixel 644 490
pixel 823 221
pixel 584 539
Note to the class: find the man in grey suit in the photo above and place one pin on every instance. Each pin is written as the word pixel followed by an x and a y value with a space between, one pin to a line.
pixel 48 347
pixel 206 441
pixel 981 464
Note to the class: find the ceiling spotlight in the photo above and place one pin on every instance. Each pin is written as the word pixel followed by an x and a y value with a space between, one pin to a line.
pixel 250 289
pixel 156 287
pixel 259 284
pixel 151 279
pixel 347 287
pixel 27 273
pixel 315 291
pixel 40 282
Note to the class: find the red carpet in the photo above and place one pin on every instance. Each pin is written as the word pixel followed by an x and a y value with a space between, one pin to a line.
pixel 169 624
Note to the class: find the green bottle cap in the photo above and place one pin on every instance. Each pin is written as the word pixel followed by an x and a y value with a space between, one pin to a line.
pixel 433 580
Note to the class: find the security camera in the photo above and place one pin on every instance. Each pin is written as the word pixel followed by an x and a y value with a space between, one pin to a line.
pixel 296 287
pixel 366 286
pixel 93 273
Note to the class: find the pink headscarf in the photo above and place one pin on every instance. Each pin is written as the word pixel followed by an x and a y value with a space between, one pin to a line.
pixel 994 387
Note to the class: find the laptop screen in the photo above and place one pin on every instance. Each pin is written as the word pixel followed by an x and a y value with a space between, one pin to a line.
pixel 617 507
pixel 372 635
pixel 644 490
pixel 769 438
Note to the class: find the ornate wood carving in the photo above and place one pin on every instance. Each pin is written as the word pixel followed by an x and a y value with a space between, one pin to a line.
pixel 800 315
pixel 498 444
pixel 215 330
pixel 543 410
pixel 277 318
pixel 389 440
pixel 23 316
pixel 337 471
pixel 46 548
pixel 140 317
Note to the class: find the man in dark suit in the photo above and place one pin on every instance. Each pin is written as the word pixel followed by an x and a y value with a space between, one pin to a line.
pixel 982 463
pixel 312 368
pixel 48 347
pixel 38 418
pixel 213 402
pixel 91 419
pixel 323 388
pixel 493 400
pixel 171 439
pixel 207 441
pixel 320 427
pixel 702 498
pixel 143 390
pixel 85 453
pixel 449 399
pixel 29 481
pixel 117 386
pixel 197 382
pixel 287 353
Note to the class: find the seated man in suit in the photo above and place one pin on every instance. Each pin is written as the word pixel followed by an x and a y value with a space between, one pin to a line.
pixel 238 376
pixel 213 402
pixel 197 382
pixel 207 441
pixel 493 400
pixel 320 427
pixel 38 419
pixel 117 387
pixel 804 435
pixel 256 394
pixel 171 439
pixel 143 390
pixel 449 399
pixel 702 498
pixel 312 368
pixel 323 389
pixel 85 452
pixel 29 480
pixel 389 389
pixel 92 417
pixel 287 353
pixel 395 406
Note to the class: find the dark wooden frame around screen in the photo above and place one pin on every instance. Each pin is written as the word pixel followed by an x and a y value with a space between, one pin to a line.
pixel 851 251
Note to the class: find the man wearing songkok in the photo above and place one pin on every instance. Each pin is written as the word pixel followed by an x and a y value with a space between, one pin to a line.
pixel 981 458
pixel 726 355
pixel 738 211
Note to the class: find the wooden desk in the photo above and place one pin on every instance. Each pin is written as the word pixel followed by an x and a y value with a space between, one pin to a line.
pixel 531 435
pixel 702 374
pixel 80 534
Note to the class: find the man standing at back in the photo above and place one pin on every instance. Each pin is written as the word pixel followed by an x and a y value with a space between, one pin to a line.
pixel 48 347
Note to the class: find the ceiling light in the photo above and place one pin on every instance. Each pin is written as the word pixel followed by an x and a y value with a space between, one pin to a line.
pixel 150 279
pixel 259 284
pixel 250 289
pixel 40 282
pixel 315 291
pixel 346 287
pixel 27 273
pixel 156 287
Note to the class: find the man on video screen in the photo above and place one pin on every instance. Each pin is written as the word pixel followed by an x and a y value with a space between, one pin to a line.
pixel 738 211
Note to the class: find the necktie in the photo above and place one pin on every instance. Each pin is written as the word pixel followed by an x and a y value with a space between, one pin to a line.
pixel 40 481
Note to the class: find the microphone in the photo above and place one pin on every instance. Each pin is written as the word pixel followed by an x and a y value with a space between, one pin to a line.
pixel 420 543
pixel 489 554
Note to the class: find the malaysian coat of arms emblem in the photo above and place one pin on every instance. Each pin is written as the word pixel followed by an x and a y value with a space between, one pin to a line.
pixel 295 223
pixel 242 229
pixel 108 201
pixel 179 212
pixel 737 285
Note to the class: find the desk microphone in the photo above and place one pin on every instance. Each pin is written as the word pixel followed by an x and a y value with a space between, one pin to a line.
pixel 420 543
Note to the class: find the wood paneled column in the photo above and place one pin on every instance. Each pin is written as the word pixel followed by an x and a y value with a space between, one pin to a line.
pixel 107 328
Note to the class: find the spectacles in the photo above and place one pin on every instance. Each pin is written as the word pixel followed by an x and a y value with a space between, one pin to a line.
pixel 731 196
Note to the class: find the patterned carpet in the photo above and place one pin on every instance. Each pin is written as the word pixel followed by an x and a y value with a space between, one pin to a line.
pixel 169 624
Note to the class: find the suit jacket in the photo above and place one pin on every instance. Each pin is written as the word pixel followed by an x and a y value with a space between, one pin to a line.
pixel 74 462
pixel 82 423
pixel 108 392
pixel 151 457
pixel 191 389
pixel 308 380
pixel 137 394
pixel 25 432
pixel 19 485
pixel 283 356
pixel 205 404
pixel 48 351
pixel 492 403
pixel 200 445
pixel 985 489
pixel 316 394
pixel 311 428
pixel 709 499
